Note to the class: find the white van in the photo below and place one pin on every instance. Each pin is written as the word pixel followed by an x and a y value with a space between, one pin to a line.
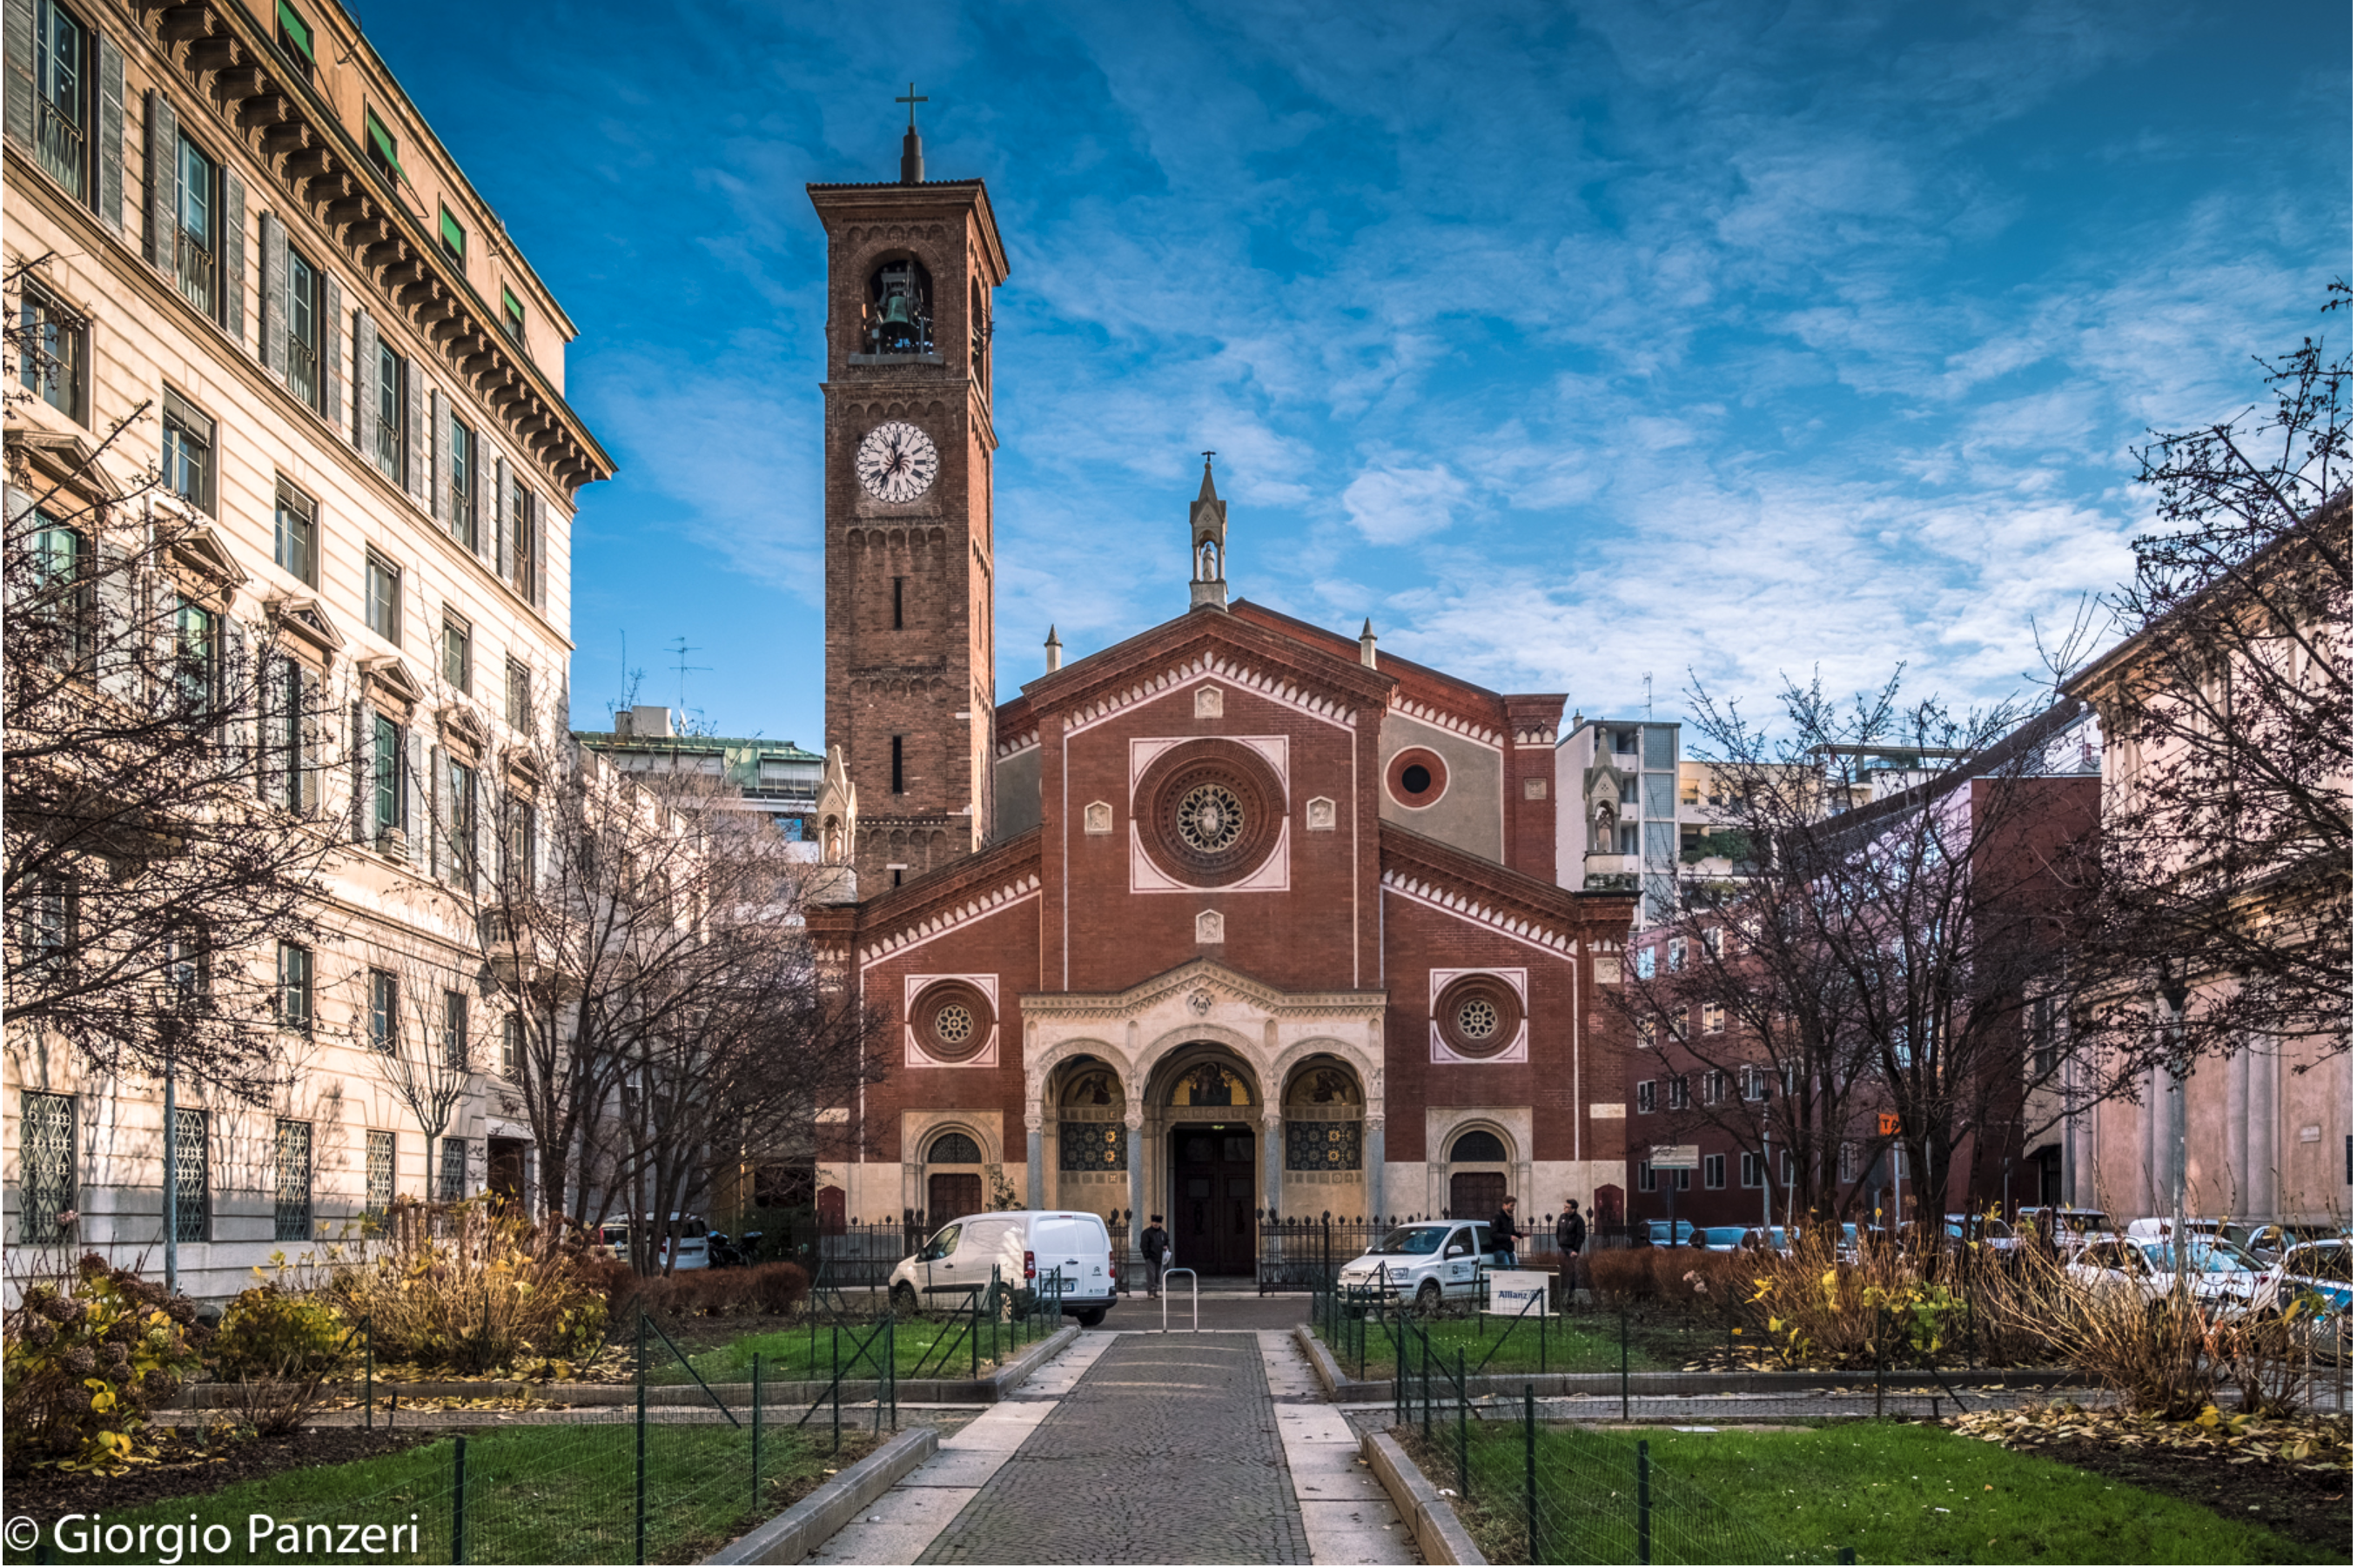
pixel 1428 1264
pixel 1027 1246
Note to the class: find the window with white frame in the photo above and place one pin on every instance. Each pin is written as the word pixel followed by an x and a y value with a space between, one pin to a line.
pixel 1714 1171
pixel 1753 1168
pixel 1645 1095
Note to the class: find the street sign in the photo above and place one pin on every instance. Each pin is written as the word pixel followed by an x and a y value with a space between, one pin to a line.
pixel 1886 1125
pixel 1677 1157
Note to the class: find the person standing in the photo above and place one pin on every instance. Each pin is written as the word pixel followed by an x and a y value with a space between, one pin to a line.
pixel 1570 1236
pixel 1503 1232
pixel 1154 1242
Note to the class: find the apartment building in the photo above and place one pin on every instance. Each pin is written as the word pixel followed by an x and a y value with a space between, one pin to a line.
pixel 227 224
pixel 773 780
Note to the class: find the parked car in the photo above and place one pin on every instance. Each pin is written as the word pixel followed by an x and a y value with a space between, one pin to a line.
pixel 725 1254
pixel 2068 1229
pixel 1657 1233
pixel 1025 1246
pixel 2216 1272
pixel 614 1236
pixel 2268 1242
pixel 1722 1237
pixel 2317 1269
pixel 1985 1229
pixel 1428 1264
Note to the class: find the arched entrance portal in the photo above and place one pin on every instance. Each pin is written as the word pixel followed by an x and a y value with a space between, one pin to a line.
pixel 1214 1168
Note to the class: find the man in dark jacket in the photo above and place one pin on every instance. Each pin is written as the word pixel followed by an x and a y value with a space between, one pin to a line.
pixel 1503 1232
pixel 1570 1236
pixel 1154 1242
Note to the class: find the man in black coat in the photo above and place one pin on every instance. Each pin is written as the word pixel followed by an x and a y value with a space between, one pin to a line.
pixel 1154 1242
pixel 1503 1232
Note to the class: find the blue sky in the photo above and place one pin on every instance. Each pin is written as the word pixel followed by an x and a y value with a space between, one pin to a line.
pixel 1571 343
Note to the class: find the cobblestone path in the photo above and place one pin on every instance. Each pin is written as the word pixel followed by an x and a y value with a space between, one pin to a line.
pixel 1166 1450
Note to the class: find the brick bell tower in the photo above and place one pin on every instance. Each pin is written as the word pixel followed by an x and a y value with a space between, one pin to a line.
pixel 910 690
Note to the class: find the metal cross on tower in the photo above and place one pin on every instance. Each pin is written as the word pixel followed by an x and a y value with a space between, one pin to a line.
pixel 912 98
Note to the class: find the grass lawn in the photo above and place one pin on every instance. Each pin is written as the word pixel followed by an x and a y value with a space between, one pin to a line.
pixel 929 1347
pixel 1892 1493
pixel 1495 1346
pixel 534 1494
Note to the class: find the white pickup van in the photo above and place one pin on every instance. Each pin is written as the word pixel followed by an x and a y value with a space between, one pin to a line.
pixel 1026 1246
pixel 1428 1264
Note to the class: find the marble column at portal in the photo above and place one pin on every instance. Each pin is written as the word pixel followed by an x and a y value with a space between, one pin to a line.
pixel 1135 1120
pixel 1371 1152
pixel 1034 1186
pixel 1272 1163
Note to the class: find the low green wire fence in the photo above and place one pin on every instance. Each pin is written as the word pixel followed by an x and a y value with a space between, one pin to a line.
pixel 1539 1492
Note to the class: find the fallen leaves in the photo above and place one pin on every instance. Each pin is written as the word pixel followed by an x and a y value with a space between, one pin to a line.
pixel 2315 1442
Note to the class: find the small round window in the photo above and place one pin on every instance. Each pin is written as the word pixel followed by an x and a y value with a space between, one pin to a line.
pixel 1211 809
pixel 1416 776
pixel 1479 1015
pixel 951 1020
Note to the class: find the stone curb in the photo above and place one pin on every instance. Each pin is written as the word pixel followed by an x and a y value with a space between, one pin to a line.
pixel 1321 1361
pixel 812 1522
pixel 1438 1534
pixel 1555 1385
pixel 920 1390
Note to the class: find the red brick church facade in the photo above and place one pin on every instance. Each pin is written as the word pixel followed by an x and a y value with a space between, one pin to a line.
pixel 1236 917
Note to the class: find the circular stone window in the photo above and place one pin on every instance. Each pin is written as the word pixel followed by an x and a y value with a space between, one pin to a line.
pixel 1416 776
pixel 1479 1015
pixel 1209 810
pixel 952 1020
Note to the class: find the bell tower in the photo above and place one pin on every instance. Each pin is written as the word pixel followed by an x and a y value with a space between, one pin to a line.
pixel 911 692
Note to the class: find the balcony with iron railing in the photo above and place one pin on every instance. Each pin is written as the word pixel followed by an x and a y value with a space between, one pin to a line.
pixel 388 449
pixel 195 272
pixel 61 144
pixel 302 369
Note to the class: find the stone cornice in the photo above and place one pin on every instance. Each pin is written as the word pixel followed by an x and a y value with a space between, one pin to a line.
pixel 282 122
pixel 1204 643
pixel 1201 973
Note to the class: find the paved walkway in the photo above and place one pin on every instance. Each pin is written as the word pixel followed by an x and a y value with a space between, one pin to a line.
pixel 1144 1449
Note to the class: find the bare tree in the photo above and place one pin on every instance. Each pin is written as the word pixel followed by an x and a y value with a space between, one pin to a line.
pixel 164 763
pixel 1873 960
pixel 2222 891
pixel 417 1019
pixel 645 946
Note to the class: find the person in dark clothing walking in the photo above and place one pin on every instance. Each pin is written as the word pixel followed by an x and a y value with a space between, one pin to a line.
pixel 1154 1242
pixel 1503 1232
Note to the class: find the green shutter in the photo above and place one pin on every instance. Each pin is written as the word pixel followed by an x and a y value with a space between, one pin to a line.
pixel 298 32
pixel 453 236
pixel 383 142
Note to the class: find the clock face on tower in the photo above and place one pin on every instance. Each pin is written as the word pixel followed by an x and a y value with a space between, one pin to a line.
pixel 897 462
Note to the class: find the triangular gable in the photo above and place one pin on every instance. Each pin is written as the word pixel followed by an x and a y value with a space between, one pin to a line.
pixel 1205 974
pixel 1154 663
pixel 392 677
pixel 201 549
pixel 68 460
pixel 307 620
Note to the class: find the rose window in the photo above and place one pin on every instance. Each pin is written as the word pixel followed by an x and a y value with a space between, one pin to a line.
pixel 1478 1020
pixel 1211 818
pixel 955 1025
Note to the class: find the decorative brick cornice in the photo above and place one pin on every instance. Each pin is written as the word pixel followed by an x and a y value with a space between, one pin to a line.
pixel 958 917
pixel 1442 718
pixel 1525 909
pixel 1218 666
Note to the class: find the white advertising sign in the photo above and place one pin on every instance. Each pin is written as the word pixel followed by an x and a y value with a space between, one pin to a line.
pixel 1676 1157
pixel 1516 1293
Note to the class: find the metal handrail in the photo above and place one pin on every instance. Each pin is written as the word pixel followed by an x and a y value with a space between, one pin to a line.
pixel 303 370
pixel 195 269
pixel 1194 1300
pixel 60 142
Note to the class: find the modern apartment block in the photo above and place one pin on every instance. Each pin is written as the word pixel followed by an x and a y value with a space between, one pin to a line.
pixel 226 222
pixel 772 778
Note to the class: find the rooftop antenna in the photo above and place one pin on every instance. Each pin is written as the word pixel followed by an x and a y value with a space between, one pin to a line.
pixel 1649 694
pixel 681 647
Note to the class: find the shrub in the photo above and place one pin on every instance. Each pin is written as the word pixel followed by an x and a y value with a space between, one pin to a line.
pixel 470 1287
pixel 275 1346
pixel 769 1288
pixel 2163 1353
pixel 88 1359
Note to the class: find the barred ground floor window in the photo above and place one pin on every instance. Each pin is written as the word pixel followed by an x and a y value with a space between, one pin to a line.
pixel 46 1164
